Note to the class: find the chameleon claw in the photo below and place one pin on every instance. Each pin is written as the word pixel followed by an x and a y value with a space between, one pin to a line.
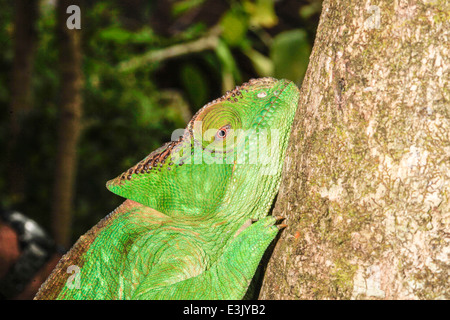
pixel 279 218
pixel 281 226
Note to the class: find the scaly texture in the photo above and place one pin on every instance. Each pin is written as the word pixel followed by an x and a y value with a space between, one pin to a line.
pixel 185 230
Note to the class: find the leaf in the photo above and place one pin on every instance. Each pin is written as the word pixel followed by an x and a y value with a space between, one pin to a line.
pixel 183 6
pixel 195 84
pixel 234 25
pixel 307 11
pixel 145 111
pixel 262 64
pixel 230 72
pixel 262 13
pixel 122 36
pixel 115 34
pixel 290 52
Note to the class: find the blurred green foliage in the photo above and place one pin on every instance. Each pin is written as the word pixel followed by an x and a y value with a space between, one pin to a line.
pixel 129 113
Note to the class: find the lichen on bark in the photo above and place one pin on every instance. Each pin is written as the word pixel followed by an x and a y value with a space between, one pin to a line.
pixel 367 174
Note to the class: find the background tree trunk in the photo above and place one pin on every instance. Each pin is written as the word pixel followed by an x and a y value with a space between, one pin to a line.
pixel 25 35
pixel 70 59
pixel 367 175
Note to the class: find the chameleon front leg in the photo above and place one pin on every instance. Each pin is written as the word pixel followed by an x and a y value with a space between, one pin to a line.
pixel 230 276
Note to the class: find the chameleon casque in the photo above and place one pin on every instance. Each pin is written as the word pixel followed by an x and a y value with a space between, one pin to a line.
pixel 195 221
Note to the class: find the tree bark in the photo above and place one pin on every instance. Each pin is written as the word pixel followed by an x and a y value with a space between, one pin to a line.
pixel 366 184
pixel 25 36
pixel 70 59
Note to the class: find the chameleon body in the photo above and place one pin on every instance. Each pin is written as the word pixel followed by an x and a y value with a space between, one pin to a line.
pixel 195 221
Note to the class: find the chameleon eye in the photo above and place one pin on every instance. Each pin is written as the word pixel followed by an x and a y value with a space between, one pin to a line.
pixel 222 132
pixel 216 124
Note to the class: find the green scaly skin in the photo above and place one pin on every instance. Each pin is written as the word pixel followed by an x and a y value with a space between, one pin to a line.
pixel 184 231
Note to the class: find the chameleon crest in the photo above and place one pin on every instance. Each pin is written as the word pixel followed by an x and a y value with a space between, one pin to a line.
pixel 185 230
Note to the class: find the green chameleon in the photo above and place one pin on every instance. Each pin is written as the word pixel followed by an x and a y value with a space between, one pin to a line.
pixel 195 224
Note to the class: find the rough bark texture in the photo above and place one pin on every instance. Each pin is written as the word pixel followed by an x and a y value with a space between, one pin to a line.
pixel 367 175
pixel 70 59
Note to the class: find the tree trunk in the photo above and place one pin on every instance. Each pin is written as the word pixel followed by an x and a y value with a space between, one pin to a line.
pixel 367 174
pixel 69 45
pixel 25 35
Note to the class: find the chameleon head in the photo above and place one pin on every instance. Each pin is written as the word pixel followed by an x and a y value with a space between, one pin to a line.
pixel 228 161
